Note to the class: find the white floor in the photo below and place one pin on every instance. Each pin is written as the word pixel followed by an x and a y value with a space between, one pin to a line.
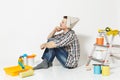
pixel 60 73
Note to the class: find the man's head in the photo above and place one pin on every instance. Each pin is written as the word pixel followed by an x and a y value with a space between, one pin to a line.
pixel 68 22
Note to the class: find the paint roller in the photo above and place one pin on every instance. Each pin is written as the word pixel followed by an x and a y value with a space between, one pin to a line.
pixel 26 73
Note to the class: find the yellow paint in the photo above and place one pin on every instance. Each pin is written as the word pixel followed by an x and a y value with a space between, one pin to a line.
pixel 105 70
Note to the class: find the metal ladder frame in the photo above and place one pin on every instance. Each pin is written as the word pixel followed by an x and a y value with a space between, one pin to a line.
pixel 108 46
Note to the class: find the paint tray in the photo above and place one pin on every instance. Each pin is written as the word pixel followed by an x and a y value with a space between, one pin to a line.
pixel 15 70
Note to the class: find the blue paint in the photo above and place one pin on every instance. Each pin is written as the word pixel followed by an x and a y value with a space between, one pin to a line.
pixel 97 69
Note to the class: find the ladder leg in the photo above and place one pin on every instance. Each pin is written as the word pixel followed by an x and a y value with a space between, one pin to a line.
pixel 106 38
pixel 115 56
pixel 109 51
pixel 108 54
pixel 90 56
pixel 88 62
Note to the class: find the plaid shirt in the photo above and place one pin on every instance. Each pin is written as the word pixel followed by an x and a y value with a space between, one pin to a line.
pixel 70 42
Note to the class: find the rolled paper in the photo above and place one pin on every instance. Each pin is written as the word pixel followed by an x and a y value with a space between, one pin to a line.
pixel 26 74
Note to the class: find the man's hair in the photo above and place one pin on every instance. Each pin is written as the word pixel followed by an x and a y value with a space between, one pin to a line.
pixel 65 17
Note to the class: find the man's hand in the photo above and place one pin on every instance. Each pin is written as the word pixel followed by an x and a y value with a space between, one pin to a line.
pixel 43 46
pixel 58 29
pixel 50 44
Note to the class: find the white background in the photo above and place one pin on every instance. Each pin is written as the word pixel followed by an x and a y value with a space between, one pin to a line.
pixel 25 24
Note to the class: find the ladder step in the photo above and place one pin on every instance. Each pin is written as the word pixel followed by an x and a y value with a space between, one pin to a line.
pixel 109 46
pixel 101 61
pixel 116 46
pixel 105 46
pixel 117 57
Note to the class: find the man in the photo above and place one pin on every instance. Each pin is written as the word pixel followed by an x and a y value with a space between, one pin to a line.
pixel 64 46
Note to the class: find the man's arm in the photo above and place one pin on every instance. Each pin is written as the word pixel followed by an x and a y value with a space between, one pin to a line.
pixel 50 44
pixel 56 29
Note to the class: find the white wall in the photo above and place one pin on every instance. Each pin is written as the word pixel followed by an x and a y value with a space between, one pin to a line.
pixel 25 24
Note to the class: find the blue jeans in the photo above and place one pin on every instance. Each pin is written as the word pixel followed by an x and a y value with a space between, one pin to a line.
pixel 60 53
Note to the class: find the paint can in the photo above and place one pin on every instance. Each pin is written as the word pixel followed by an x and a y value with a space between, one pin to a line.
pixel 100 41
pixel 105 70
pixel 30 59
pixel 97 68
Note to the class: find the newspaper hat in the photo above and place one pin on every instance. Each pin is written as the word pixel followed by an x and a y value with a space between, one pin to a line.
pixel 71 21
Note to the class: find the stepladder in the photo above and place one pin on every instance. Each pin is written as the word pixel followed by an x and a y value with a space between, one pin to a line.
pixel 103 50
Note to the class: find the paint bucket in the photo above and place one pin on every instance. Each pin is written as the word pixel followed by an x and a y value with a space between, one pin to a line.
pixel 97 68
pixel 105 70
pixel 30 59
pixel 100 41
